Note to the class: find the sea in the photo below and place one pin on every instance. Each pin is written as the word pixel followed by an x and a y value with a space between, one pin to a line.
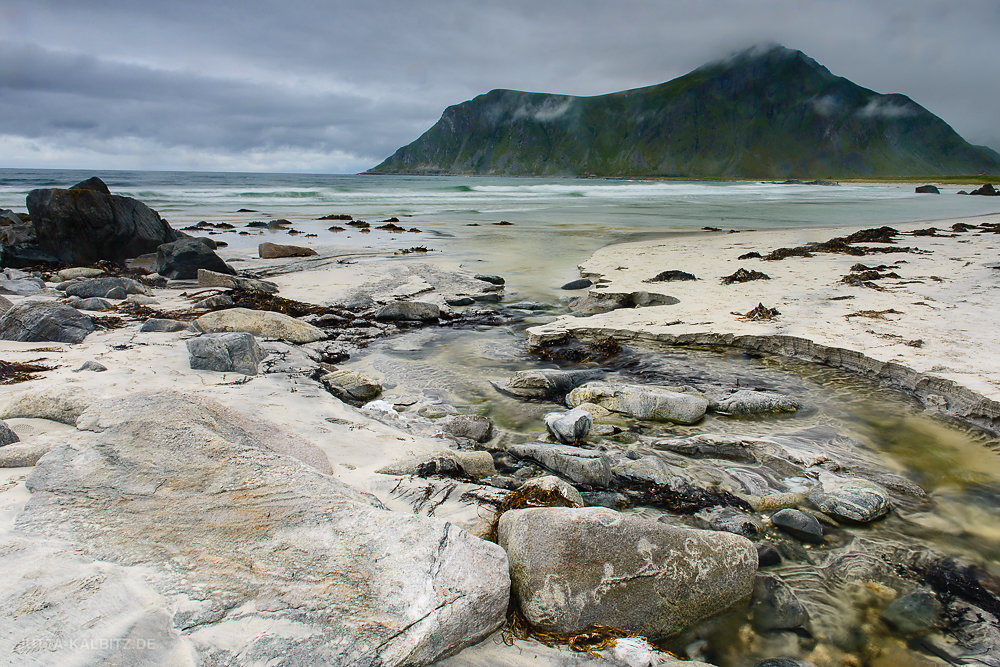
pixel 555 223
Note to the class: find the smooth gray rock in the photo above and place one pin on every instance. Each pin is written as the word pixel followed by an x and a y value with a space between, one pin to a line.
pixel 217 301
pixel 59 403
pixel 545 384
pixel 117 293
pixel 460 301
pixel 569 427
pixel 24 454
pixel 408 310
pixel 912 614
pixel 277 251
pixel 576 567
pixel 732 520
pixel 856 500
pixel 263 323
pixel 799 524
pixel 474 427
pixel 582 283
pixel 22 285
pixel 91 365
pixel 181 259
pixel 749 402
pixel 583 466
pixel 641 402
pixel 157 324
pixel 94 303
pixel 775 607
pixel 44 321
pixel 489 278
pixel 569 493
pixel 258 553
pixel 101 287
pixel 351 386
pixel 84 226
pixel 78 272
pixel 236 352
pixel 7 436
pixel 208 278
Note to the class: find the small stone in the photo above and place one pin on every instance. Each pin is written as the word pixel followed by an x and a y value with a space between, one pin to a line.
pixel 94 303
pixel 351 386
pixel 491 279
pixel 775 607
pixel 730 520
pixel 217 301
pixel 582 283
pixel 7 436
pixel 856 500
pixel 116 293
pixel 913 613
pixel 767 555
pixel 569 427
pixel 408 310
pixel 799 524
pixel 641 402
pixel 477 464
pixel 91 365
pixel 79 272
pixel 460 301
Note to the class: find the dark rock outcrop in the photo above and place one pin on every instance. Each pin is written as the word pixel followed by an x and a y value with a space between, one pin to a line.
pixel 181 259
pixel 36 322
pixel 236 352
pixel 927 190
pixel 82 226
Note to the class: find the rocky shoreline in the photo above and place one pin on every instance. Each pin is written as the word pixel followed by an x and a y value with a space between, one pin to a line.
pixel 192 474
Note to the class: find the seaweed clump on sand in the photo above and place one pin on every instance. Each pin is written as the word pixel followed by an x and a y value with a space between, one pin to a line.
pixel 670 276
pixel 256 300
pixel 845 245
pixel 744 276
pixel 759 313
pixel 863 276
pixel 12 372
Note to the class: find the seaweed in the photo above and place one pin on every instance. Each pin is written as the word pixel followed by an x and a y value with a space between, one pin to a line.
pixel 743 276
pixel 107 321
pixel 256 300
pixel 578 352
pixel 843 245
pixel 685 501
pixel 671 275
pixel 13 372
pixel 593 639
pixel 750 255
pixel 873 314
pixel 760 312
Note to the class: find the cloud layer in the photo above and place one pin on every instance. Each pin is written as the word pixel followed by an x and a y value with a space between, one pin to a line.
pixel 332 86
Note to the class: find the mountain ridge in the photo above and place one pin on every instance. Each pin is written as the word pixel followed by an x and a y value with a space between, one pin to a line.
pixel 766 112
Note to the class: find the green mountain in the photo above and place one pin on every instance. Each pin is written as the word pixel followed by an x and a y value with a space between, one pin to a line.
pixel 768 112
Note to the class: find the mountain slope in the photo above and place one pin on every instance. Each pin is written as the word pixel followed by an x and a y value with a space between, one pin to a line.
pixel 764 113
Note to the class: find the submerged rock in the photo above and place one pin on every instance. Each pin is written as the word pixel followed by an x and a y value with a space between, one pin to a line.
pixel 263 323
pixel 569 427
pixel 775 607
pixel 856 500
pixel 913 613
pixel 236 352
pixel 749 402
pixel 573 568
pixel 641 402
pixel 44 321
pixel 545 383
pixel 798 524
pixel 257 553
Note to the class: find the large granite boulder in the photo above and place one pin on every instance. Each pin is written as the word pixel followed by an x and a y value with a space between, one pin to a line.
pixel 256 552
pixel 38 321
pixel 263 323
pixel 181 259
pixel 236 352
pixel 573 568
pixel 641 402
pixel 82 226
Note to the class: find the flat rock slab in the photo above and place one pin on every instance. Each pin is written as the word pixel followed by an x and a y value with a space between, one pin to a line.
pixel 263 323
pixel 577 567
pixel 258 554
pixel 408 310
pixel 101 287
pixel 208 278
pixel 41 321
pixel 583 466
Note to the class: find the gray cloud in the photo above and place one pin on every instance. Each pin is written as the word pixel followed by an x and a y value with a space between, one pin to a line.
pixel 337 86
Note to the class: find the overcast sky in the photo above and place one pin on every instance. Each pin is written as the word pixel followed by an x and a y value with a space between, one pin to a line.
pixel 336 86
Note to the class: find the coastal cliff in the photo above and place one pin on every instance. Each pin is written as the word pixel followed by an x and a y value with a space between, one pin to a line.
pixel 767 112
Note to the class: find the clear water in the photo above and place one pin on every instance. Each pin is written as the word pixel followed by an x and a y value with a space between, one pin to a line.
pixel 557 223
